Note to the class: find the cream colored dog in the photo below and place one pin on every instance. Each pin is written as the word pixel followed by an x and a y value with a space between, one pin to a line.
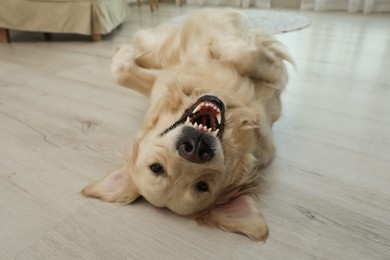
pixel 214 89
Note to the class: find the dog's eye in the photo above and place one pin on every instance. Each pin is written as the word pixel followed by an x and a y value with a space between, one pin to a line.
pixel 202 186
pixel 156 168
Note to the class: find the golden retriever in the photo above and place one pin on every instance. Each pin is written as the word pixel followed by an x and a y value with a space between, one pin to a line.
pixel 214 88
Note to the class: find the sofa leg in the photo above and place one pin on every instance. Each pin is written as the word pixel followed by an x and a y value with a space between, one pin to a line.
pixel 96 37
pixel 4 35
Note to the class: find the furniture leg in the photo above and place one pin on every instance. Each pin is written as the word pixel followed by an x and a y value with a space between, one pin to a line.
pixel 96 37
pixel 4 35
pixel 153 4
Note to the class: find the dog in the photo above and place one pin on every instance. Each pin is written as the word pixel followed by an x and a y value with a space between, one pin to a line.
pixel 214 88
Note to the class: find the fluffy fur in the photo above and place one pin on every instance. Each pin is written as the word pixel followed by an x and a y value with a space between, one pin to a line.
pixel 212 53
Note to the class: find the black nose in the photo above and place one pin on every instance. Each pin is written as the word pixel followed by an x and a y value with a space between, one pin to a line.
pixel 195 146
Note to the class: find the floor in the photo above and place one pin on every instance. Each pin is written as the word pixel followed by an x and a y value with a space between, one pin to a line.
pixel 63 123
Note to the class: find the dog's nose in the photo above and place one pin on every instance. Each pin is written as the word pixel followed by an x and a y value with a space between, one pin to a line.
pixel 195 146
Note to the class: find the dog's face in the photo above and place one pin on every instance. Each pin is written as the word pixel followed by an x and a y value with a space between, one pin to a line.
pixel 183 167
pixel 197 142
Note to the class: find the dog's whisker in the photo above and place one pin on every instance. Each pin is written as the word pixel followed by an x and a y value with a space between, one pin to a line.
pixel 177 123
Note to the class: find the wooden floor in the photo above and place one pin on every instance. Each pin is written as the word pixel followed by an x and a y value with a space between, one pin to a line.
pixel 63 123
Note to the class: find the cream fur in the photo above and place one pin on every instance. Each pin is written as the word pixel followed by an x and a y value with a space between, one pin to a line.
pixel 212 53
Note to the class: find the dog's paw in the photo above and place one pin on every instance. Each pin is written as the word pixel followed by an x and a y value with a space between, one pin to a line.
pixel 122 61
pixel 236 51
pixel 127 71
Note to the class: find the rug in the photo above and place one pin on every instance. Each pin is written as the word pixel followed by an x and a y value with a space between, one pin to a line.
pixel 272 21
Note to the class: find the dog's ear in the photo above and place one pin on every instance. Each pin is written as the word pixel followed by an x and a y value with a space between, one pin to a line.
pixel 118 186
pixel 239 215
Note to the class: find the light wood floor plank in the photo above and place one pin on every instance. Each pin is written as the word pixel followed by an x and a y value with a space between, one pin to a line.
pixel 63 123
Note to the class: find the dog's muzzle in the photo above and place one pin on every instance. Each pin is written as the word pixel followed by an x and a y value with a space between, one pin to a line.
pixel 203 124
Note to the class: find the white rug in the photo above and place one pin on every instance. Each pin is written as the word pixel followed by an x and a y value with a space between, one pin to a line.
pixel 272 21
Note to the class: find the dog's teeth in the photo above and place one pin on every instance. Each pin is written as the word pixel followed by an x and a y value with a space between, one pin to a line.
pixel 188 121
pixel 219 118
pixel 196 124
pixel 215 133
pixel 209 130
pixel 200 126
pixel 205 128
pixel 197 108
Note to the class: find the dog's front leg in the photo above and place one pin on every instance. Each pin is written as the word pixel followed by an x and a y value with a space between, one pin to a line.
pixel 126 72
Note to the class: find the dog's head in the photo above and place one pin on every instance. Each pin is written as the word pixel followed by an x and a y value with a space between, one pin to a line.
pixel 194 154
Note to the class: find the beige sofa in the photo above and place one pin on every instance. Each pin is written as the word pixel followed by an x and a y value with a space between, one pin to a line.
pixel 87 17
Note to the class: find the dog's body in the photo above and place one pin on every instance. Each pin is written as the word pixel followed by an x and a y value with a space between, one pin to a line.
pixel 214 89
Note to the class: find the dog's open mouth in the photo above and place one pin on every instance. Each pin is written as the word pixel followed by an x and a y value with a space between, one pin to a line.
pixel 206 115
